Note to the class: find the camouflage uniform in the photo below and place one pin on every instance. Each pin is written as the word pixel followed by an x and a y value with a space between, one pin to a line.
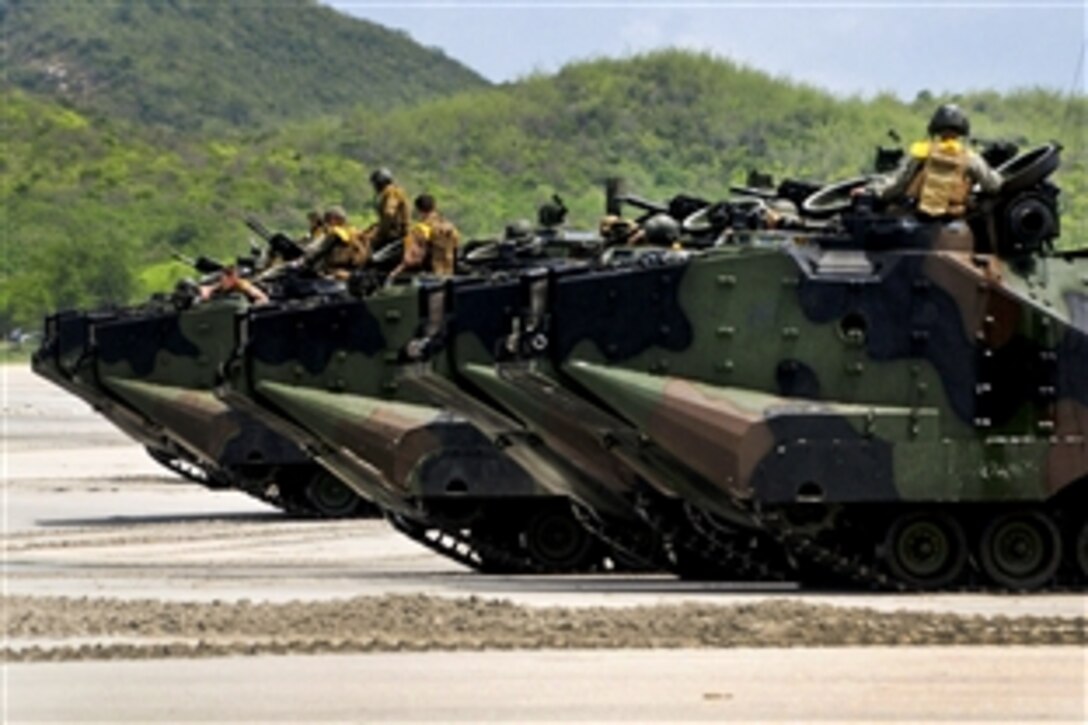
pixel 430 246
pixel 394 216
pixel 443 243
pixel 342 249
pixel 617 230
pixel 938 174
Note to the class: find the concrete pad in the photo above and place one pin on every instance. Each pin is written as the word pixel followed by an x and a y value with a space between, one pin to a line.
pixel 903 684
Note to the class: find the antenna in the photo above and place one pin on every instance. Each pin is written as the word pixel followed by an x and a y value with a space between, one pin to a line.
pixel 1078 82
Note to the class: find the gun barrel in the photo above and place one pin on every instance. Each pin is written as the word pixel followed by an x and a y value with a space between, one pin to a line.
pixel 641 203
pixel 259 229
pixel 614 190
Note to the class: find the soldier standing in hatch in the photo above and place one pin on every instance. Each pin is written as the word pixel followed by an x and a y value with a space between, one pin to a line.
pixel 340 250
pixel 431 244
pixel 391 204
pixel 937 174
pixel 617 231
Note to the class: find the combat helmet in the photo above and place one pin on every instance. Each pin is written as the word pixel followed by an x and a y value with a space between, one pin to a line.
pixel 661 230
pixel 518 229
pixel 336 212
pixel 381 178
pixel 949 117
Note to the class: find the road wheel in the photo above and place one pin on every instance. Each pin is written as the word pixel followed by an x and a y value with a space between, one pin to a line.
pixel 1021 550
pixel 557 542
pixel 330 498
pixel 500 550
pixel 926 550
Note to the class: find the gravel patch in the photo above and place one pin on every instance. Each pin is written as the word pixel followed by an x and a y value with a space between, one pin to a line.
pixel 59 628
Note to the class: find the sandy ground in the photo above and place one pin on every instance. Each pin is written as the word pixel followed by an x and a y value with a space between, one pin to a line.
pixel 109 559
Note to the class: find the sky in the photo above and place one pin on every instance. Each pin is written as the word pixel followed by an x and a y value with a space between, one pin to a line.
pixel 848 47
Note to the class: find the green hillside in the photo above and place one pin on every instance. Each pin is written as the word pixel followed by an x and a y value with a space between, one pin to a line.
pixel 93 206
pixel 200 65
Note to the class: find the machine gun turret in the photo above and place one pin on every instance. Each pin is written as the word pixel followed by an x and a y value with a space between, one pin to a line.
pixel 889 157
pixel 553 213
pixel 202 264
pixel 280 244
pixel 996 151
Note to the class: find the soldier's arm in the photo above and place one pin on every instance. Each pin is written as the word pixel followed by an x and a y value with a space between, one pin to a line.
pixel 318 249
pixel 987 178
pixel 252 291
pixel 412 256
pixel 414 252
pixel 890 186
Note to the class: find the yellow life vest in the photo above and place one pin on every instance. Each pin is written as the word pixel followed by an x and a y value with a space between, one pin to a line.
pixel 942 185
pixel 444 242
pixel 439 240
pixel 351 249
pixel 419 239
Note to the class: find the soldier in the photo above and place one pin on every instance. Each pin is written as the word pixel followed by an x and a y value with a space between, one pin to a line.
pixel 660 230
pixel 342 249
pixel 518 241
pixel 315 232
pixel 938 173
pixel 781 214
pixel 230 282
pixel 431 243
pixel 615 230
pixel 518 231
pixel 391 204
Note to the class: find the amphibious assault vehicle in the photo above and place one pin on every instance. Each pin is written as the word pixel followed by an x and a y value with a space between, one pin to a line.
pixel 150 371
pixel 857 394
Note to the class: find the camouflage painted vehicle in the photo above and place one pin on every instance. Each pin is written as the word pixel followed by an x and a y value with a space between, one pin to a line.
pixel 150 371
pixel 325 375
pixel 874 398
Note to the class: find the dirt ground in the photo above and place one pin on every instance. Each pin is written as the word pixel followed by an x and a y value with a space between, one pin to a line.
pixel 107 559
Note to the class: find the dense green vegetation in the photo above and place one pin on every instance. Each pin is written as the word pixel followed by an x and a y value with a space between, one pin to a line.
pixel 205 65
pixel 94 205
